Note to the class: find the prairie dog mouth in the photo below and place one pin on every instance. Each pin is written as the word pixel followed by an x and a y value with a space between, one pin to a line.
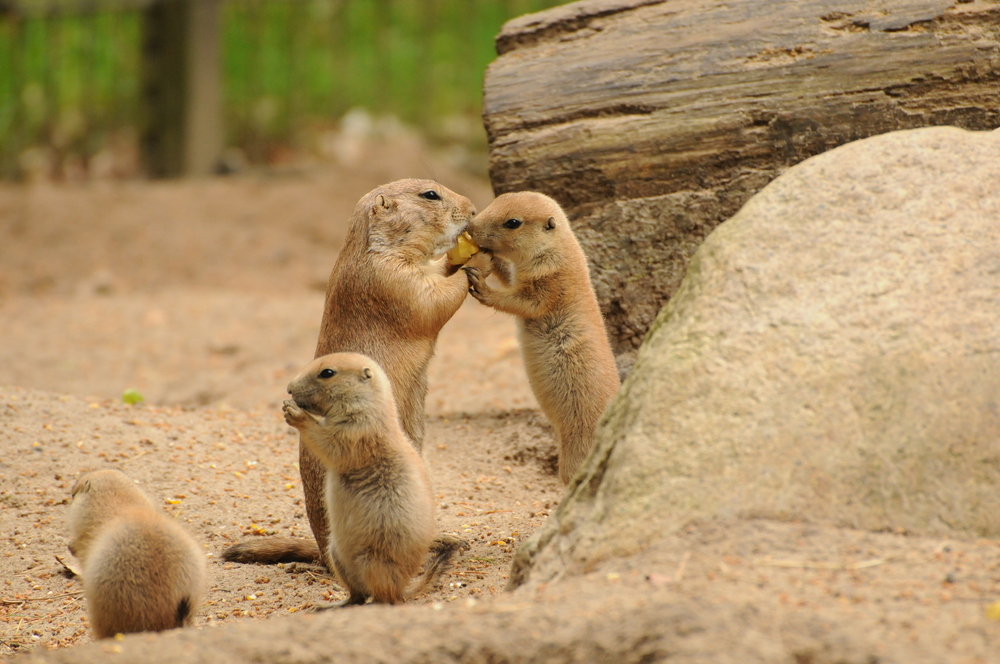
pixel 465 248
pixel 306 404
pixel 447 242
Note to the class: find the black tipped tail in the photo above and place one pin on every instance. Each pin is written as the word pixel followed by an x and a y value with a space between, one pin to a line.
pixel 443 549
pixel 184 609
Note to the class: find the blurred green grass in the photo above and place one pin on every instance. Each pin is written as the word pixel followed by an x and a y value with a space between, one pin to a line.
pixel 69 81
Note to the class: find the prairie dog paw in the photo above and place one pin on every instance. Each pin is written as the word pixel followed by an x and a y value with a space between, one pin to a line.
pixel 482 261
pixel 294 415
pixel 477 284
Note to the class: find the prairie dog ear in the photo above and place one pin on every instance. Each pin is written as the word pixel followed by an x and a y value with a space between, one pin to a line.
pixel 550 223
pixel 381 205
pixel 80 487
pixel 366 373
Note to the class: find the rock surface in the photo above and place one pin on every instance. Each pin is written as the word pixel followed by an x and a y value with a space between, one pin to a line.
pixel 653 122
pixel 832 356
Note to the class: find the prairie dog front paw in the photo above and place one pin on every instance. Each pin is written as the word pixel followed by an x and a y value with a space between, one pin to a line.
pixel 477 284
pixel 482 261
pixel 295 416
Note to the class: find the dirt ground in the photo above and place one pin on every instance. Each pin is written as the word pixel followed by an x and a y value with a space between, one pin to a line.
pixel 206 296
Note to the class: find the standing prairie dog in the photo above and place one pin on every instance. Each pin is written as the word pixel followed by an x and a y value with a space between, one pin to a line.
pixel 390 292
pixel 392 289
pixel 527 241
pixel 378 499
pixel 142 572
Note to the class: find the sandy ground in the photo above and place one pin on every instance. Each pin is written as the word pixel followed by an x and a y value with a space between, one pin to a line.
pixel 206 297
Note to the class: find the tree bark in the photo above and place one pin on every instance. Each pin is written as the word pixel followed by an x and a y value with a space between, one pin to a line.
pixel 652 122
pixel 182 98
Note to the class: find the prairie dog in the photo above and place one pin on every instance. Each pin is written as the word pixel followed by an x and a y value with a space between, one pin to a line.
pixel 527 241
pixel 142 572
pixel 392 290
pixel 389 294
pixel 378 499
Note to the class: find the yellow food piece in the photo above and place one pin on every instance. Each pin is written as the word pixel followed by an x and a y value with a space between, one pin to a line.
pixel 463 250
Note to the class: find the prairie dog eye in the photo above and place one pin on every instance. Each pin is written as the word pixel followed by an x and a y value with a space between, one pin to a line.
pixel 430 195
pixel 327 373
pixel 512 223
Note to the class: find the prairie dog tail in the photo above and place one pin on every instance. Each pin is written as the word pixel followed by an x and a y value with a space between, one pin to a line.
pixel 443 549
pixel 273 550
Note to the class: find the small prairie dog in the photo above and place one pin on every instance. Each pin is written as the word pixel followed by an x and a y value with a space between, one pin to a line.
pixel 378 499
pixel 390 292
pixel 526 241
pixel 142 572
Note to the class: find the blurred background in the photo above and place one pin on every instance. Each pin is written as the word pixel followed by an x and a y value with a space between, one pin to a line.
pixel 99 89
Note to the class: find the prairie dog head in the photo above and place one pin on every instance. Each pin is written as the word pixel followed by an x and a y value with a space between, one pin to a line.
pixel 524 227
pixel 419 219
pixel 97 497
pixel 343 389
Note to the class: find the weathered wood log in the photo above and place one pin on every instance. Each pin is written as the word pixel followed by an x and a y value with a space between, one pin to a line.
pixel 654 121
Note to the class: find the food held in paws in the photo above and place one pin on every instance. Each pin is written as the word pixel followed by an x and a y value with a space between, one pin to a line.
pixel 463 250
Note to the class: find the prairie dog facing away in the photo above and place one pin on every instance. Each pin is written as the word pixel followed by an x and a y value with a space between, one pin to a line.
pixel 378 498
pixel 142 572
pixel 390 292
pixel 526 240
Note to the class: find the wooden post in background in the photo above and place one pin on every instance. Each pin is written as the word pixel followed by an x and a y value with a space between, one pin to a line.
pixel 182 123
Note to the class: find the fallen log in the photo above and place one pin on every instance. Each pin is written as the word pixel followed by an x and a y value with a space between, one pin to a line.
pixel 652 122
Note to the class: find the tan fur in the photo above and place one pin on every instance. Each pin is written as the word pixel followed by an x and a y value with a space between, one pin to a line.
pixel 391 289
pixel 547 286
pixel 378 498
pixel 274 550
pixel 389 294
pixel 141 570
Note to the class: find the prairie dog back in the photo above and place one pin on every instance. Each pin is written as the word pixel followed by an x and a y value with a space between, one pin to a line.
pixel 141 570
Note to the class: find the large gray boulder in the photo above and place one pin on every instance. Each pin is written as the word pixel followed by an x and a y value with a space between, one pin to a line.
pixel 652 122
pixel 833 355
